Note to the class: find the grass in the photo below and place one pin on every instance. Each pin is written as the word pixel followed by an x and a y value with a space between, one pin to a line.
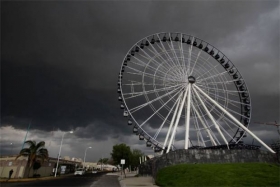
pixel 227 175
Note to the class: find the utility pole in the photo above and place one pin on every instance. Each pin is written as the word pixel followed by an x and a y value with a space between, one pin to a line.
pixel 26 134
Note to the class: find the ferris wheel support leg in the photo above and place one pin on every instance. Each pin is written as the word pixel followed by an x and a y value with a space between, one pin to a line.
pixel 188 117
pixel 171 123
pixel 177 119
pixel 234 119
pixel 212 118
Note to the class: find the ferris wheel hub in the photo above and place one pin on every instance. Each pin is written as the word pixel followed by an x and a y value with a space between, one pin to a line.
pixel 191 79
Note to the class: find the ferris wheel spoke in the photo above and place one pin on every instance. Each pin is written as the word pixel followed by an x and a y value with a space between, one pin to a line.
pixel 144 65
pixel 204 124
pixel 228 109
pixel 209 70
pixel 232 131
pixel 182 55
pixel 175 55
pixel 195 62
pixel 227 119
pixel 137 94
pixel 148 75
pixel 190 57
pixel 158 110
pixel 234 119
pixel 225 132
pixel 206 78
pixel 149 57
pixel 139 61
pixel 225 93
pixel 229 101
pixel 143 72
pixel 162 63
pixel 166 53
pixel 216 94
pixel 169 73
pixel 164 121
pixel 153 91
pixel 167 58
pixel 221 90
pixel 214 140
pixel 164 50
pixel 218 113
pixel 154 100
pixel 197 129
pixel 211 117
pixel 223 82
pixel 158 54
pixel 140 84
pixel 224 118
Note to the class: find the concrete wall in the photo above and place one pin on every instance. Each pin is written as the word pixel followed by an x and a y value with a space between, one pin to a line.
pixel 8 163
pixel 44 170
pixel 206 156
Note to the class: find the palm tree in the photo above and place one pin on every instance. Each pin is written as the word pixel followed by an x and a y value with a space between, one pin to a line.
pixel 34 152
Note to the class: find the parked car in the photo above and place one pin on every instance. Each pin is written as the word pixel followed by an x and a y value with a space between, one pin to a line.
pixel 94 171
pixel 80 171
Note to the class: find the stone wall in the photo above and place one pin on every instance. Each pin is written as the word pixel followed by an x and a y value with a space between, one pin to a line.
pixel 193 156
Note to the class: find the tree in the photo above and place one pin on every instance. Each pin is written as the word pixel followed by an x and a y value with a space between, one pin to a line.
pixel 36 166
pixel 111 161
pixel 121 151
pixel 134 160
pixel 34 152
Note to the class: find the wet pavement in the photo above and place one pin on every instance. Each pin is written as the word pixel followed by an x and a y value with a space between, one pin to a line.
pixel 88 180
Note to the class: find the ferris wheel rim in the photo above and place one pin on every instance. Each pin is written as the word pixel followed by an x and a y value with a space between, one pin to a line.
pixel 194 38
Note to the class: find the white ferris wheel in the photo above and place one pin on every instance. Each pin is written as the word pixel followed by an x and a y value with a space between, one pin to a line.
pixel 178 91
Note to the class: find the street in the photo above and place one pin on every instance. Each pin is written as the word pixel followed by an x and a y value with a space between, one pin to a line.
pixel 86 180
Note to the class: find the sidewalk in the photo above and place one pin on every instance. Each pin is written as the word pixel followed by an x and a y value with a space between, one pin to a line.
pixel 132 180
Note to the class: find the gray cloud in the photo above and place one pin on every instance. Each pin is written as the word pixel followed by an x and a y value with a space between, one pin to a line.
pixel 60 61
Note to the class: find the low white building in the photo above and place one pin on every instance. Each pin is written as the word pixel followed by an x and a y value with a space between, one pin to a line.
pixel 20 167
pixel 106 167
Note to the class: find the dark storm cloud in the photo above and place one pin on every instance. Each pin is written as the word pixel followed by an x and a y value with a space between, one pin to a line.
pixel 60 60
pixel 51 76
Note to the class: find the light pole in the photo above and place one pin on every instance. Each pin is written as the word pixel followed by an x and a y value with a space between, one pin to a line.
pixel 85 155
pixel 12 148
pixel 60 152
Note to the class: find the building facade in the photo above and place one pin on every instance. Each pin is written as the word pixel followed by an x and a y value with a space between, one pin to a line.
pixel 21 169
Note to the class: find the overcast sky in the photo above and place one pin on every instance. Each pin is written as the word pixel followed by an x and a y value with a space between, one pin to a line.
pixel 60 62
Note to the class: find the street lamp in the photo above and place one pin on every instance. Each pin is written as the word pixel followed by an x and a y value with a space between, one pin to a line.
pixel 86 154
pixel 12 148
pixel 60 151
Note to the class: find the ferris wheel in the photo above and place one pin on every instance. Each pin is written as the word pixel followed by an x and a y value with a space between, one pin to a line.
pixel 178 91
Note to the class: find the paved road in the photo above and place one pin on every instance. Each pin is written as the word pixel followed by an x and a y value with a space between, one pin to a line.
pixel 88 180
